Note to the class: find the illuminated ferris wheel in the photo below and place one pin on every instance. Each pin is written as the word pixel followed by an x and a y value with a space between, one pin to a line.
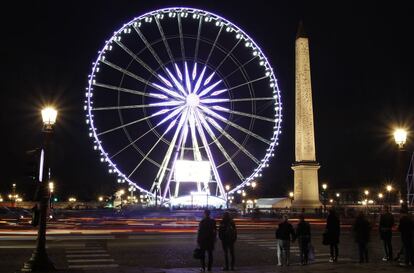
pixel 180 102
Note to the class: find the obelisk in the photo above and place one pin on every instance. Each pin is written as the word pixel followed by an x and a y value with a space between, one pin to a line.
pixel 306 189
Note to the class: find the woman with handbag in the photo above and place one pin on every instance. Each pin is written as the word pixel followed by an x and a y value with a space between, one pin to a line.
pixel 331 234
pixel 206 239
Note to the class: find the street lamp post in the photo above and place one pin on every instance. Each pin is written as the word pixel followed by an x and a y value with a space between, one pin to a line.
pixel 227 188
pixel 40 260
pixel 51 190
pixel 13 195
pixel 324 196
pixel 380 196
pixel 366 193
pixel 389 189
pixel 291 196
pixel 400 137
pixel 121 193
pixel 338 198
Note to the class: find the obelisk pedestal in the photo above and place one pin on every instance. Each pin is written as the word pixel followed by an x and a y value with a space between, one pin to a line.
pixel 306 187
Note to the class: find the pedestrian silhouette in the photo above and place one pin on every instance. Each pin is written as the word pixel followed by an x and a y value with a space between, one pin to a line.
pixel 331 236
pixel 406 227
pixel 228 236
pixel 385 230
pixel 206 238
pixel 284 235
pixel 303 235
pixel 362 230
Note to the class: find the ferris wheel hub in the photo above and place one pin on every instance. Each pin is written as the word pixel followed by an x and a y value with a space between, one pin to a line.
pixel 192 100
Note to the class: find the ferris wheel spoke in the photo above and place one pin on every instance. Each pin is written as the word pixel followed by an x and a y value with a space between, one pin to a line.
pixel 208 89
pixel 235 142
pixel 131 91
pixel 175 81
pixel 227 55
pixel 180 30
pixel 168 91
pixel 185 131
pixel 163 111
pixel 214 44
pixel 219 145
pixel 133 142
pixel 179 127
pixel 210 156
pixel 148 45
pixel 195 146
pixel 246 83
pixel 153 147
pixel 239 68
pixel 194 141
pixel 135 106
pixel 171 115
pixel 161 172
pixel 164 165
pixel 137 59
pixel 208 101
pixel 200 22
pixel 234 125
pixel 140 79
pixel 187 78
pixel 199 80
pixel 167 47
pixel 222 109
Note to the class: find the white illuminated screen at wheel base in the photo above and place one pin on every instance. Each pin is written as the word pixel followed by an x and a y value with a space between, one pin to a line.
pixel 192 171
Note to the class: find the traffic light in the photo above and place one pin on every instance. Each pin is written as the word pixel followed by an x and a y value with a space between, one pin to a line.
pixel 34 164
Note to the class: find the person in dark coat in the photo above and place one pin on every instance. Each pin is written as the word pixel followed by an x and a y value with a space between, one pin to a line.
pixel 385 230
pixel 206 238
pixel 284 234
pixel 362 231
pixel 303 235
pixel 406 227
pixel 332 232
pixel 228 236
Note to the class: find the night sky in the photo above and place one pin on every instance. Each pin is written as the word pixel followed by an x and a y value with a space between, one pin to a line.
pixel 361 65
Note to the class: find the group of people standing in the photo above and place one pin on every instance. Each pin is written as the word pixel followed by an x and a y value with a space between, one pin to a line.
pixel 286 233
pixel 361 231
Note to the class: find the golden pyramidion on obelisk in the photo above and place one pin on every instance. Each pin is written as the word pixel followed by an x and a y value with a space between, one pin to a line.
pixel 306 189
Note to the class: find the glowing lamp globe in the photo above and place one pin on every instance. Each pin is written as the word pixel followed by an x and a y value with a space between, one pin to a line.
pixel 400 137
pixel 49 115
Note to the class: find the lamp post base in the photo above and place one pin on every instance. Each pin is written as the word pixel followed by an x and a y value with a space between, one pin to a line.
pixel 39 262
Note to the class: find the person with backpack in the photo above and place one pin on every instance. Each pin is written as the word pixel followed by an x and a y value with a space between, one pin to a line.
pixel 206 239
pixel 284 235
pixel 228 236
pixel 303 235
